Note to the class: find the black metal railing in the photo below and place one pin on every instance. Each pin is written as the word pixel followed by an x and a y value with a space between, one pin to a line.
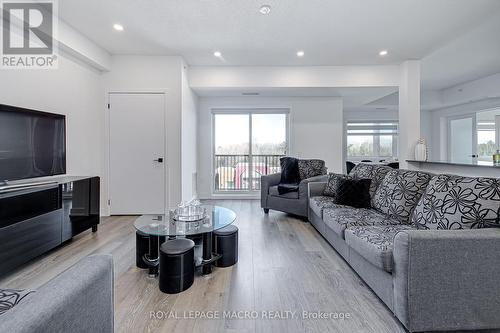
pixel 237 173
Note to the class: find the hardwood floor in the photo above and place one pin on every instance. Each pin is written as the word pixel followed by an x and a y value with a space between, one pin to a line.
pixel 284 265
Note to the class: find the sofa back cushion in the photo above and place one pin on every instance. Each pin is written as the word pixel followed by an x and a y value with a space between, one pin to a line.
pixel 311 168
pixel 456 202
pixel 399 193
pixel 370 171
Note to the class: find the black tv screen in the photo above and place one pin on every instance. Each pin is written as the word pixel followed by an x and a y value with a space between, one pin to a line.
pixel 32 143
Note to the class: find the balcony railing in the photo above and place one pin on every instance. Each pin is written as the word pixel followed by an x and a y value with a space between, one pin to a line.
pixel 238 173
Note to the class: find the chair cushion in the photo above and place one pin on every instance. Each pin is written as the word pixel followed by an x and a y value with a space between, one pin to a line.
pixel 311 168
pixel 287 188
pixel 370 171
pixel 11 297
pixel 227 230
pixel 456 202
pixel 341 217
pixel 399 193
pixel 273 190
pixel 177 246
pixel 319 203
pixel 375 243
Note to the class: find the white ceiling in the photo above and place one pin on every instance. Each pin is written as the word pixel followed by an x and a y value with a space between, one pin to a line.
pixel 473 55
pixel 331 32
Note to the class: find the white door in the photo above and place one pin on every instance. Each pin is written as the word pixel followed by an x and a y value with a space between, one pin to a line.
pixel 462 139
pixel 137 153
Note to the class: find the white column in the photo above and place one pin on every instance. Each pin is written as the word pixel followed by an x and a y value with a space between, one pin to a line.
pixel 409 110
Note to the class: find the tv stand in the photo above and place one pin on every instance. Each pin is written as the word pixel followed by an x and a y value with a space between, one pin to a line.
pixel 36 217
pixel 7 187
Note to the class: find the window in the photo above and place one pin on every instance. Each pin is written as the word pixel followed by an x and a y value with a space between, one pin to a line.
pixel 372 140
pixel 247 145
pixel 488 124
pixel 473 135
pixel 486 137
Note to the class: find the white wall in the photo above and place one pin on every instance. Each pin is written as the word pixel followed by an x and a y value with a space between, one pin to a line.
pixel 189 137
pixel 147 74
pixel 316 130
pixel 75 90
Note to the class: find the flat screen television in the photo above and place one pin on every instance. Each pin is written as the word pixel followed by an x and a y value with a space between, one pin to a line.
pixel 32 143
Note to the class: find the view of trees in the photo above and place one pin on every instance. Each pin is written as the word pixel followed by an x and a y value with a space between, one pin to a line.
pixel 486 149
pixel 366 149
pixel 257 149
pixel 363 149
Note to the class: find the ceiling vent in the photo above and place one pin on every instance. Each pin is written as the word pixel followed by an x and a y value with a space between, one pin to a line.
pixel 250 94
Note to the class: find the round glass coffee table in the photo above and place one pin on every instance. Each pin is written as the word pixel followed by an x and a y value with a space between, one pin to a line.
pixel 160 227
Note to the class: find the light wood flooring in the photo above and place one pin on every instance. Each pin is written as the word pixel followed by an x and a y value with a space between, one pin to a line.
pixel 284 265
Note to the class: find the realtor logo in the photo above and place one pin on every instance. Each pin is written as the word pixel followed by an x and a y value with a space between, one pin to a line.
pixel 28 34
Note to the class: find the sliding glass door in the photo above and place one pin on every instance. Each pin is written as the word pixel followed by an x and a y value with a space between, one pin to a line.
pixel 247 144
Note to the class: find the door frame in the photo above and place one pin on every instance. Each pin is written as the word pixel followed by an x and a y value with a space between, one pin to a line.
pixel 474 132
pixel 287 110
pixel 497 131
pixel 107 140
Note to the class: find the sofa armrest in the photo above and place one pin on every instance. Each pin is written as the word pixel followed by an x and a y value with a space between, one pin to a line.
pixel 304 185
pixel 78 300
pixel 265 183
pixel 447 279
pixel 316 189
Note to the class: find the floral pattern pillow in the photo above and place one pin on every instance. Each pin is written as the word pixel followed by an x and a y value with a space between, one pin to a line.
pixel 374 172
pixel 333 183
pixel 311 168
pixel 455 202
pixel 400 192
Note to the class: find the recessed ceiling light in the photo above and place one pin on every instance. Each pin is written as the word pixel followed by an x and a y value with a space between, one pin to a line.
pixel 300 53
pixel 265 9
pixel 118 27
pixel 217 54
pixel 383 53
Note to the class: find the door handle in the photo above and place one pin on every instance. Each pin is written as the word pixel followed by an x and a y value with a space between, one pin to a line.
pixel 159 160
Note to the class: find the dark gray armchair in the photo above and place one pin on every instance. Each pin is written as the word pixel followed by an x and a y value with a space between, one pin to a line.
pixel 292 202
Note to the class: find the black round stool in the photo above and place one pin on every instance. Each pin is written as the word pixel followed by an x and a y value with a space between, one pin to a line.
pixel 225 243
pixel 141 248
pixel 176 265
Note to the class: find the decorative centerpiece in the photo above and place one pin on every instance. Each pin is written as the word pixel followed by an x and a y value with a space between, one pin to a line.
pixel 421 150
pixel 191 211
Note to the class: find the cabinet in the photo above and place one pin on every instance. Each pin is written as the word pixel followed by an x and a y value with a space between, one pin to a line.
pixel 36 219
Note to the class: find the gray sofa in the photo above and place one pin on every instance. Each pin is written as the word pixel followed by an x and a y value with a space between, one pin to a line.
pixel 292 202
pixel 421 247
pixel 78 300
